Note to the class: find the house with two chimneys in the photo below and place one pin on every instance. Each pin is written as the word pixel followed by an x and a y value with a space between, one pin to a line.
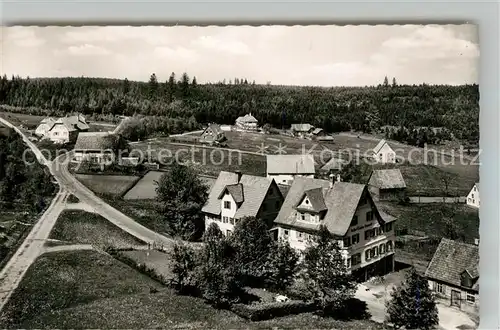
pixel 247 123
pixel 365 233
pixel 213 134
pixel 387 185
pixel 235 196
pixel 62 130
pixel 453 274
pixel 383 153
pixel 473 196
pixel 285 168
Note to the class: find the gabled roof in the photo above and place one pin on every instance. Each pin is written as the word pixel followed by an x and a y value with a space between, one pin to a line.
pixel 290 164
pixel 380 145
pixel 451 259
pixel 248 118
pixel 341 202
pixel 215 128
pixel 253 191
pixel 236 191
pixel 96 141
pixel 47 120
pixel 334 164
pixel 387 179
pixel 316 198
pixel 317 130
pixel 72 123
pixel 302 127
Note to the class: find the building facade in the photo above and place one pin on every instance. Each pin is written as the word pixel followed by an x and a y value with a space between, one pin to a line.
pixel 473 196
pixel 285 168
pixel 234 196
pixel 302 130
pixel 212 134
pixel 453 275
pixel 63 130
pixel 99 148
pixel 365 234
pixel 383 153
pixel 247 122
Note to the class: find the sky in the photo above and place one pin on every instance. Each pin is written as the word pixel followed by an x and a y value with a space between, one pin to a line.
pixel 329 55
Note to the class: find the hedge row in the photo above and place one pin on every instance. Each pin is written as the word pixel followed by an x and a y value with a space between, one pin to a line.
pixel 271 310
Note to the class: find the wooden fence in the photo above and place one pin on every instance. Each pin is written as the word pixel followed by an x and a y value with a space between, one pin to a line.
pixel 429 200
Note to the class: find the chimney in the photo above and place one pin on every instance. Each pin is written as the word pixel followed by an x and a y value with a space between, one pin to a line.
pixel 239 175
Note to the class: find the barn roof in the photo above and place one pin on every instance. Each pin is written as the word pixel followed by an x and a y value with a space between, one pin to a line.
pixel 302 127
pixel 96 141
pixel 387 179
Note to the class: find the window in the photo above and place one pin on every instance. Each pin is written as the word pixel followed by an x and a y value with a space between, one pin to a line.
pixel 228 232
pixel 307 201
pixel 369 234
pixel 369 216
pixel 374 252
pixel 367 255
pixel 472 195
pixel 471 298
pixel 475 188
pixel 354 221
pixel 235 220
pixel 227 204
pixel 356 259
pixel 389 246
pixel 347 242
pixel 439 288
pixel 348 262
pixel 355 239
pixel 300 236
pixel 284 181
pixel 285 233
pixel 302 217
pixel 231 221
pixel 381 249
pixel 388 227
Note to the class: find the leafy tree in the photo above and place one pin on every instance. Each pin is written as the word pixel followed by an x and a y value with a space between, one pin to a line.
pixel 412 304
pixel 153 86
pixel 183 265
pixel 282 265
pixel 218 276
pixel 211 233
pixel 325 273
pixel 253 243
pixel 182 195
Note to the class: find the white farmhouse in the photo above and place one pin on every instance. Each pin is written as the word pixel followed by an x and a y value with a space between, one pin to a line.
pixel 44 126
pixel 364 232
pixel 473 196
pixel 285 168
pixel 247 122
pixel 383 153
pixel 234 196
pixel 98 147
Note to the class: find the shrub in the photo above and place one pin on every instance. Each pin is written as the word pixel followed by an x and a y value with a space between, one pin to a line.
pixel 271 310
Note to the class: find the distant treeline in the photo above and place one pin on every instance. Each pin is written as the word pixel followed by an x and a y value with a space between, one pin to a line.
pixel 334 109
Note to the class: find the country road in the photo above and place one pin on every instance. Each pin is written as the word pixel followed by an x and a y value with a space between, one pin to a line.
pixel 13 272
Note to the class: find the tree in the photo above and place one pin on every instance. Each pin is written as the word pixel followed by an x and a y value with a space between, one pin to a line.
pixel 325 273
pixel 183 265
pixel 218 276
pixel 194 82
pixel 446 179
pixel 412 304
pixel 126 86
pixel 386 82
pixel 184 85
pixel 182 195
pixel 394 84
pixel 282 265
pixel 171 87
pixel 211 233
pixel 153 86
pixel 252 242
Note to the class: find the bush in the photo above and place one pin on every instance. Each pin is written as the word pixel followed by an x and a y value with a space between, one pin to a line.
pixel 271 310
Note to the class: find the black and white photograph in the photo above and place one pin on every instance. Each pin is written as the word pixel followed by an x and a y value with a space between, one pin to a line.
pixel 239 177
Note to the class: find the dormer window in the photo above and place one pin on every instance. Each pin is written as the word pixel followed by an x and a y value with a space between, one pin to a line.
pixel 227 205
pixel 307 202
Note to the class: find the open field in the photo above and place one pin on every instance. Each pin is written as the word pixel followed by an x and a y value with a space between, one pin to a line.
pixel 436 219
pixel 87 228
pixel 85 289
pixel 145 188
pixel 115 185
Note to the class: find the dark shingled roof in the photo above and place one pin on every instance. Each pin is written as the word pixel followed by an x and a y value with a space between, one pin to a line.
pixel 387 179
pixel 283 189
pixel 316 198
pixel 341 202
pixel 451 259
pixel 236 190
pixel 254 190
pixel 96 141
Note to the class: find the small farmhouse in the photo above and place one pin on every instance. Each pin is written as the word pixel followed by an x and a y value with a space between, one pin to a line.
pixel 44 126
pixel 247 122
pixel 212 134
pixel 302 130
pixel 285 168
pixel 234 196
pixel 383 153
pixel 473 196
pixel 365 233
pixel 387 185
pixel 98 147
pixel 453 274
pixel 62 130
